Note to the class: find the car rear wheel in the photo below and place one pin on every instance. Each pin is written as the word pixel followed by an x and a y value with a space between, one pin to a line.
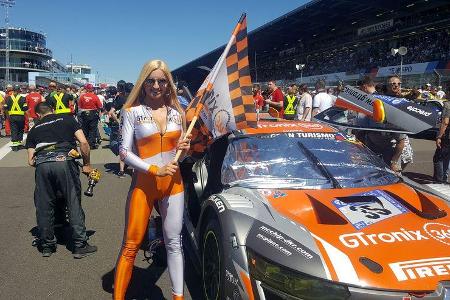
pixel 212 262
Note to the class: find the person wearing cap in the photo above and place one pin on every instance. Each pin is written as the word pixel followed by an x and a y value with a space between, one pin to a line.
pixel 89 107
pixel 15 106
pixel 61 102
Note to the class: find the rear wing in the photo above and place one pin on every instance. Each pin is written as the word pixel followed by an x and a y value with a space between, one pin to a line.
pixel 358 110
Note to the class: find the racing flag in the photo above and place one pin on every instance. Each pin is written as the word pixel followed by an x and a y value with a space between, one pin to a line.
pixel 224 101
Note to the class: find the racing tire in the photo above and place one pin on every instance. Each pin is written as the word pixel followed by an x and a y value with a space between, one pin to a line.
pixel 212 262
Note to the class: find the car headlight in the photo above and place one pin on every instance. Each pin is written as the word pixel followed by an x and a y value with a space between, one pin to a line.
pixel 291 282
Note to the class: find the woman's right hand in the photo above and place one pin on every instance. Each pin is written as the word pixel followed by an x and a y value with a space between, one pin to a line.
pixel 167 170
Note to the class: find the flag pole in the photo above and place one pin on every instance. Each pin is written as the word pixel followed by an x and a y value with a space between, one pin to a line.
pixel 215 72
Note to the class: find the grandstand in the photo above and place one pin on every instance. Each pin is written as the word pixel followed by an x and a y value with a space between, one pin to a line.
pixel 343 40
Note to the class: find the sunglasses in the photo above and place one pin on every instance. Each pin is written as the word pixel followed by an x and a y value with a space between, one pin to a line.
pixel 152 81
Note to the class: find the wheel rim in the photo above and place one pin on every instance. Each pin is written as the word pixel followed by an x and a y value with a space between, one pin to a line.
pixel 211 266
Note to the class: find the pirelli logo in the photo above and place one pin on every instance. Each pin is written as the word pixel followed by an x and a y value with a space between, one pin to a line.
pixel 421 268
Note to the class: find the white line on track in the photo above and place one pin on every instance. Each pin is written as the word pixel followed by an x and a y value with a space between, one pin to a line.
pixel 7 148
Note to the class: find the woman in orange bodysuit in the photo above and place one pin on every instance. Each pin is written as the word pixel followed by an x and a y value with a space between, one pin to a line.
pixel 152 124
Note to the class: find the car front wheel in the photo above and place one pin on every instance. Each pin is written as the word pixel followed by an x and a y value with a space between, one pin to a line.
pixel 212 261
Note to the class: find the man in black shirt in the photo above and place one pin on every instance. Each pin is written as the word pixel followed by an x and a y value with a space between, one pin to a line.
pixel 114 117
pixel 49 143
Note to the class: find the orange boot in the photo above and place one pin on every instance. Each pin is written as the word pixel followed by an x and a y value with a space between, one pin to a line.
pixel 177 297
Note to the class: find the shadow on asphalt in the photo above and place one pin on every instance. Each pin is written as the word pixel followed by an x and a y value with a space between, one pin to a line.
pixel 143 282
pixel 142 285
pixel 114 168
pixel 63 236
pixel 420 178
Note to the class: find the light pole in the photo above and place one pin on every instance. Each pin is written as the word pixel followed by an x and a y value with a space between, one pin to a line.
pixel 7 4
pixel 401 51
pixel 300 67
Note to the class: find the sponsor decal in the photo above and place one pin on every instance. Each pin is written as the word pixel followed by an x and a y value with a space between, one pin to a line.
pixel 347 138
pixel 279 194
pixel 236 295
pixel 278 125
pixel 421 268
pixel 230 277
pixel 418 110
pixel 144 120
pixel 221 121
pixel 368 208
pixel 219 204
pixel 391 100
pixel 359 95
pixel 286 241
pixel 274 244
pixel 60 158
pixel 314 135
pixel 310 125
pixel 266 193
pixel 48 123
pixel 436 231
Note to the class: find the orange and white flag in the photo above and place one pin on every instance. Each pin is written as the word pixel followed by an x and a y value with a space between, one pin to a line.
pixel 224 101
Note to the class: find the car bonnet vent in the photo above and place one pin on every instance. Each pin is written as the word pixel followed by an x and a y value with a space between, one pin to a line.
pixel 429 210
pixel 324 214
pixel 238 201
pixel 371 265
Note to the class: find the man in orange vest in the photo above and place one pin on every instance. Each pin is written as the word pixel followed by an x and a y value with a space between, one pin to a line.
pixel 15 106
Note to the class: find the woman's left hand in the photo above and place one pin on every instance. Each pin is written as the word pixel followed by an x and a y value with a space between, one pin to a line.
pixel 185 143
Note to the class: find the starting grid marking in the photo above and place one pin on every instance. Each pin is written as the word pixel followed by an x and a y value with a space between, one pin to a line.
pixel 7 148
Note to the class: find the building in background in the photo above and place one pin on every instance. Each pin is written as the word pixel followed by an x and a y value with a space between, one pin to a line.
pixel 30 61
pixel 28 52
pixel 78 69
pixel 341 41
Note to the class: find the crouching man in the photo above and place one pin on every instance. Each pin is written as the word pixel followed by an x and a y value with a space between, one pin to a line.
pixel 49 143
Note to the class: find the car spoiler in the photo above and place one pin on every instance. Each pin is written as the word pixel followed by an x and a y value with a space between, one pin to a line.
pixel 358 110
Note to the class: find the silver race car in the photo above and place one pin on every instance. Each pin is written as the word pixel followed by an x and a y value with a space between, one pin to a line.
pixel 294 210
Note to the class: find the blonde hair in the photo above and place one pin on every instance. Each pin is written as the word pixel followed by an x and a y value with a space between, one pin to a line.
pixel 137 94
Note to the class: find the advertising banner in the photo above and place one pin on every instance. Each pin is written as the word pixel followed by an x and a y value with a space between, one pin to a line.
pixel 375 27
pixel 409 69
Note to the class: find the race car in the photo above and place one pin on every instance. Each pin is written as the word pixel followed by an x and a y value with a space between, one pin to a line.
pixel 299 210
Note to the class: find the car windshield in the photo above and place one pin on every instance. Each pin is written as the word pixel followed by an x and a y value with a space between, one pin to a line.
pixel 303 161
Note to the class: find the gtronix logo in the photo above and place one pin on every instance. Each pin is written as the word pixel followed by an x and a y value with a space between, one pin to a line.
pixel 418 110
pixel 430 231
pixel 421 268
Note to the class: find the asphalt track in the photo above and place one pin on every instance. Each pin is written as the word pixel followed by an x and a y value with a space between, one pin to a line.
pixel 25 274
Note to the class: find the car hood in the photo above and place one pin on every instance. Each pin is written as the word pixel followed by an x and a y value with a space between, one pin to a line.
pixel 388 237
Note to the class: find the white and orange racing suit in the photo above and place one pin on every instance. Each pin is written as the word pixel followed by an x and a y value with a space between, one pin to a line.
pixel 146 148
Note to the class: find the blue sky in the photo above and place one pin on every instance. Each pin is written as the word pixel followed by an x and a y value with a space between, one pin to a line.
pixel 117 37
